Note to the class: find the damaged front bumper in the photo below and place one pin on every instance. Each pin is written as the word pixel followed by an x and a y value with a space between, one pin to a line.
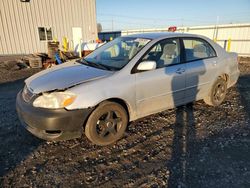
pixel 51 124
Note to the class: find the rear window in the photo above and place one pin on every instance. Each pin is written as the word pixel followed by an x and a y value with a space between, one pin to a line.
pixel 197 49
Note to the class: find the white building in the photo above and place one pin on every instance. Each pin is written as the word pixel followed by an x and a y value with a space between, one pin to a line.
pixel 27 25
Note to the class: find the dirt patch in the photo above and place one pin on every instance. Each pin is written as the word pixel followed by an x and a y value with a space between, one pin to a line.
pixel 192 146
pixel 10 71
pixel 9 76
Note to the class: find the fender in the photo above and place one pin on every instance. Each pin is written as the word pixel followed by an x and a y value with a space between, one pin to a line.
pixel 92 93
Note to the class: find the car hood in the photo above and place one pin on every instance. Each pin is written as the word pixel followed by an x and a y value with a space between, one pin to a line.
pixel 63 76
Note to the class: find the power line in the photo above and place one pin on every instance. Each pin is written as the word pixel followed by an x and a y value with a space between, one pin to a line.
pixel 166 19
pixel 140 18
pixel 160 22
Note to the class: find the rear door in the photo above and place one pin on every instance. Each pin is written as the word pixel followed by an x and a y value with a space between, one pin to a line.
pixel 163 87
pixel 200 67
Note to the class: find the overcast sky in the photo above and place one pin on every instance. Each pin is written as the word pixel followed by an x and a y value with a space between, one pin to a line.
pixel 134 14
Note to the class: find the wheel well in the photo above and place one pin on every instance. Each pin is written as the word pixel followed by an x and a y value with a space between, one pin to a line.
pixel 121 102
pixel 117 100
pixel 225 77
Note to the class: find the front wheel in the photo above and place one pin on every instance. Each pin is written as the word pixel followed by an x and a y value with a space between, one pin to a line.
pixel 217 93
pixel 106 124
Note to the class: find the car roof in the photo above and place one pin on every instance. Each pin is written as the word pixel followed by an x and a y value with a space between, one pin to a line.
pixel 159 35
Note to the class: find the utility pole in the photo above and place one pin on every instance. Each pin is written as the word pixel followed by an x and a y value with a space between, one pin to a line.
pixel 216 29
pixel 112 24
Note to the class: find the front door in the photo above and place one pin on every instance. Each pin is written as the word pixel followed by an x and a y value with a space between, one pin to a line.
pixel 164 87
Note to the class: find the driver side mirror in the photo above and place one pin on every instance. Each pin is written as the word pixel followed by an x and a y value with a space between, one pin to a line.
pixel 146 65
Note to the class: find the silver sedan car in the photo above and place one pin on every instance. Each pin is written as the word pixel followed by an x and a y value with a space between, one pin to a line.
pixel 128 78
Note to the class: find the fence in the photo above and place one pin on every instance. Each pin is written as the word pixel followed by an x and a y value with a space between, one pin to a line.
pixel 232 37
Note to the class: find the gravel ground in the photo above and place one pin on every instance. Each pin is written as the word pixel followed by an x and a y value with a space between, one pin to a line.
pixel 191 146
pixel 9 71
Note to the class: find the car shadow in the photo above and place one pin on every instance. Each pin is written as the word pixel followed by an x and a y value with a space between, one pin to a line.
pixel 224 158
pixel 184 131
pixel 216 161
pixel 15 142
pixel 184 128
pixel 243 88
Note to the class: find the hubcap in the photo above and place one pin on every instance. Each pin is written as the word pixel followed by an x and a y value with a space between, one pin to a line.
pixel 109 124
pixel 219 92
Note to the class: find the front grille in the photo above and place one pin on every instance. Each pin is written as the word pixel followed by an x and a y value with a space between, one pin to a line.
pixel 27 94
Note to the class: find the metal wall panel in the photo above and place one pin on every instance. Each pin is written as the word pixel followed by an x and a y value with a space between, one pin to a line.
pixel 19 23
pixel 5 37
pixel 239 34
pixel 2 37
pixel 206 32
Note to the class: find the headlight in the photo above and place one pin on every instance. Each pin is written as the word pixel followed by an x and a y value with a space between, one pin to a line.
pixel 54 100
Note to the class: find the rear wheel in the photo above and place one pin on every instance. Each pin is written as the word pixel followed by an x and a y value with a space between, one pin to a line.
pixel 217 93
pixel 106 124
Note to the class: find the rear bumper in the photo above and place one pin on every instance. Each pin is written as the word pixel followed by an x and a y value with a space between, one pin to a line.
pixel 51 124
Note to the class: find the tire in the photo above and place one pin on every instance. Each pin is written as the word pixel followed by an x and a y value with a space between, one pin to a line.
pixel 217 93
pixel 106 124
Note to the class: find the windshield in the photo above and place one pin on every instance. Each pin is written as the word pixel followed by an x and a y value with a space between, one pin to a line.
pixel 117 53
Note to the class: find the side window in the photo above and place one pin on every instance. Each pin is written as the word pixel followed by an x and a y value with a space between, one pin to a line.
pixel 164 53
pixel 41 32
pixel 197 49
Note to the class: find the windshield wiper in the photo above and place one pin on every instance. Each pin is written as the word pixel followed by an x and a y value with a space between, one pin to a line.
pixel 83 61
pixel 93 64
pixel 101 66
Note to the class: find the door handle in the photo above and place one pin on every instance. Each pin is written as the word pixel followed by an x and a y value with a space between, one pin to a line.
pixel 215 63
pixel 180 71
